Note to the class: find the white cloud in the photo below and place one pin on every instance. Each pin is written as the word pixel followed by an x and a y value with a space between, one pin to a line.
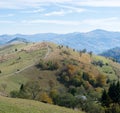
pixel 7 4
pixel 57 13
pixel 6 15
pixel 62 26
pixel 59 22
pixel 65 10
pixel 113 21
pixel 21 4
pixel 14 4
pixel 72 9
pixel 38 11
pixel 6 22
pixel 34 11
pixel 102 22
pixel 98 3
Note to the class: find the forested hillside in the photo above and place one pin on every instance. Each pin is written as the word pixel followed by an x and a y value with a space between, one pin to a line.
pixel 57 74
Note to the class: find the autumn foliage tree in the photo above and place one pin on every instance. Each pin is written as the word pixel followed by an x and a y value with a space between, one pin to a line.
pixel 101 80
pixel 71 70
pixel 44 97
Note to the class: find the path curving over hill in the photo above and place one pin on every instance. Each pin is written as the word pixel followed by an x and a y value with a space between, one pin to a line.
pixel 14 73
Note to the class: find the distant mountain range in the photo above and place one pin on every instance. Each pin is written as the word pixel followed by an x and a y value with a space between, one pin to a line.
pixel 17 40
pixel 96 41
pixel 113 53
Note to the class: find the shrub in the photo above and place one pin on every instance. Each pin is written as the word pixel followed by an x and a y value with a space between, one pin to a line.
pixel 84 51
pixel 16 49
pixel 14 94
pixel 75 82
pixel 67 100
pixel 66 52
pixel 44 97
pixel 72 90
pixel 98 63
pixel 48 65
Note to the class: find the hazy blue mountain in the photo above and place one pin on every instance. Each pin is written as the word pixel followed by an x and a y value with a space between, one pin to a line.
pixel 4 38
pixel 112 53
pixel 96 41
pixel 18 40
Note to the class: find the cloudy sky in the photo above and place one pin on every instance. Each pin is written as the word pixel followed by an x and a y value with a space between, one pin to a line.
pixel 58 16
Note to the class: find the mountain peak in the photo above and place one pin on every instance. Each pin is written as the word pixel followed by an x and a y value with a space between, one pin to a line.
pixel 99 31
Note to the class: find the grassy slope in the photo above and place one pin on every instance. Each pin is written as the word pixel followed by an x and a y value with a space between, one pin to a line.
pixel 9 105
pixel 10 66
pixel 112 70
pixel 38 51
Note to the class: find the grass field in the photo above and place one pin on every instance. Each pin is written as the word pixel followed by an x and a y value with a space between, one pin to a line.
pixel 11 105
pixel 16 61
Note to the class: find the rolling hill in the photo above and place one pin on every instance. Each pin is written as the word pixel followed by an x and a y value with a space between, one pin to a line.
pixel 24 63
pixel 112 53
pixel 96 41
pixel 18 66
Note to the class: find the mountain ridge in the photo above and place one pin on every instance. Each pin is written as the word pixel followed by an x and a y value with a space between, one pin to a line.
pixel 17 40
pixel 97 40
pixel 112 53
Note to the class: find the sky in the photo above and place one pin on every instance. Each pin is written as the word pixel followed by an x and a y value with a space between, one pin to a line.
pixel 58 16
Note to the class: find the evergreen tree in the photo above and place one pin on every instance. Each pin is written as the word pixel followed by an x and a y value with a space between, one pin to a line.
pixel 105 99
pixel 114 92
pixel 22 87
pixel 118 92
